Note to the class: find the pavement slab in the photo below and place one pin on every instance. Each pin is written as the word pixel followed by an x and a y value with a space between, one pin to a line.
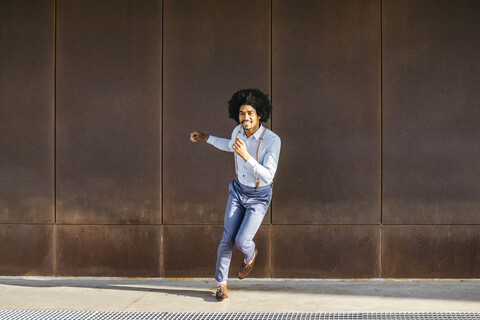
pixel 248 295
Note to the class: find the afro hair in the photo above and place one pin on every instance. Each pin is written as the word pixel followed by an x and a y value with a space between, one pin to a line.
pixel 253 97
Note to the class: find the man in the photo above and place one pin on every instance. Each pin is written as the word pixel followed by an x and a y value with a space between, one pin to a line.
pixel 256 151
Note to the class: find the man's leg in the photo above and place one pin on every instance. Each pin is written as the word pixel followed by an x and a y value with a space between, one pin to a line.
pixel 234 214
pixel 256 207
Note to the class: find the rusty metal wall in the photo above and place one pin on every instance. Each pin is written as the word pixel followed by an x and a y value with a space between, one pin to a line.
pixel 326 97
pixel 27 72
pixel 108 138
pixel 431 139
pixel 376 102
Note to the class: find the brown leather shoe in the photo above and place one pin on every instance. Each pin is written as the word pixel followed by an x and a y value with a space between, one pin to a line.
pixel 245 269
pixel 222 292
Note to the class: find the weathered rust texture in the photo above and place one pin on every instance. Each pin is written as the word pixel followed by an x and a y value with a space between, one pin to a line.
pixel 431 131
pixel 191 251
pixel 326 95
pixel 26 250
pixel 314 251
pixel 108 112
pixel 211 50
pixel 112 251
pixel 431 251
pixel 26 111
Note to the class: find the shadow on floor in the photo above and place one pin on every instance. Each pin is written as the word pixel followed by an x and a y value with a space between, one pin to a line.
pixel 461 290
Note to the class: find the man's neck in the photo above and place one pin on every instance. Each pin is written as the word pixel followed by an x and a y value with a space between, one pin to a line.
pixel 248 133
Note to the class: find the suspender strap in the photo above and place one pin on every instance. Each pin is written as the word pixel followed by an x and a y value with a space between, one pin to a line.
pixel 256 155
pixel 235 155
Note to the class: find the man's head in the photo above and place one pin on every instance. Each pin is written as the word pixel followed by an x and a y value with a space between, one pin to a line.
pixel 249 97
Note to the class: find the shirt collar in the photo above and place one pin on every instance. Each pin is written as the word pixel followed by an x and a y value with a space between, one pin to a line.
pixel 257 133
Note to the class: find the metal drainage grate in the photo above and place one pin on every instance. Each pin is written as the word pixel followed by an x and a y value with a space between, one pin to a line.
pixel 110 315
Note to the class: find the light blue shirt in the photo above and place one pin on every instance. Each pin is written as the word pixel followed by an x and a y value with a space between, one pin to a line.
pixel 268 155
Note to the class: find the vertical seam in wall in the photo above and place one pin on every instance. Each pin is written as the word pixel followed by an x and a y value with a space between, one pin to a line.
pixel 381 113
pixel 54 137
pixel 381 135
pixel 162 15
pixel 270 266
pixel 54 250
pixel 54 111
pixel 271 124
pixel 271 85
pixel 380 249
pixel 271 58
pixel 162 261
pixel 162 229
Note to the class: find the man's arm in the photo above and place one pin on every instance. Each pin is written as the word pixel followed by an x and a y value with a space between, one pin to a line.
pixel 266 170
pixel 219 143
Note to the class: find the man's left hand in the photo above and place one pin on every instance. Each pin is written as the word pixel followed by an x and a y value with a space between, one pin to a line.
pixel 241 149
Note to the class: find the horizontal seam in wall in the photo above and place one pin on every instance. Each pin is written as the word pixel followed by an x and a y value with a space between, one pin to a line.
pixel 26 224
pixel 110 224
pixel 277 224
pixel 432 224
pixel 221 224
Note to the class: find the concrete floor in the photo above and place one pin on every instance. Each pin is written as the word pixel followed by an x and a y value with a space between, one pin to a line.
pixel 248 295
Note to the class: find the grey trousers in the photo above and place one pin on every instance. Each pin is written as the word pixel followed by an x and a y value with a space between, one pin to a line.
pixel 246 208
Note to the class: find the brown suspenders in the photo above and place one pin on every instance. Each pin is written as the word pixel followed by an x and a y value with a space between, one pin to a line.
pixel 256 156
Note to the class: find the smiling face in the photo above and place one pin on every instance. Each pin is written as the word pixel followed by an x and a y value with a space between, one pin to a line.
pixel 249 119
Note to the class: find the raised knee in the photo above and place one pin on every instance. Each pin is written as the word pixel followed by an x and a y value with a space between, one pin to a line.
pixel 241 242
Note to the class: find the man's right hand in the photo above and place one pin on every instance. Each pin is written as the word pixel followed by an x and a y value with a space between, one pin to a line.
pixel 197 135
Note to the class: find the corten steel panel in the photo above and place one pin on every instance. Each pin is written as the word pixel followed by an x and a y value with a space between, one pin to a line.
pixel 431 159
pixel 26 250
pixel 211 49
pixel 113 251
pixel 448 251
pixel 108 111
pixel 307 251
pixel 191 251
pixel 26 111
pixel 326 98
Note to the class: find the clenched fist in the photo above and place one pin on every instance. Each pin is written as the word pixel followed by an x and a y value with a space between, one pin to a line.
pixel 240 148
pixel 197 135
